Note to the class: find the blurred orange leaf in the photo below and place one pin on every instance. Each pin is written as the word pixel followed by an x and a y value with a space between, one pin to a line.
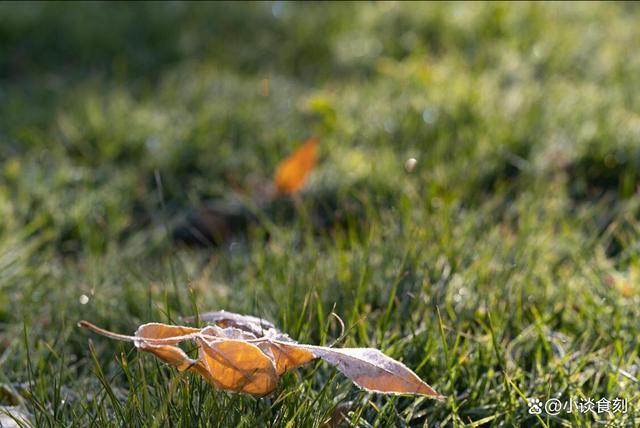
pixel 292 172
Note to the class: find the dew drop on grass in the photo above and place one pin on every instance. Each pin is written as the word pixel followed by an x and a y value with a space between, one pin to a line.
pixel 84 299
pixel 410 164
pixel 429 116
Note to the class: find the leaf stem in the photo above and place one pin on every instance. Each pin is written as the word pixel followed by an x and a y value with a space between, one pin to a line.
pixel 94 328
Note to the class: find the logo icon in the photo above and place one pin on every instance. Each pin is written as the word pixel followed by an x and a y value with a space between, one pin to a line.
pixel 535 406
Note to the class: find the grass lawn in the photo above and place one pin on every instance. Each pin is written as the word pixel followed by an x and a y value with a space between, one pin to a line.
pixel 504 266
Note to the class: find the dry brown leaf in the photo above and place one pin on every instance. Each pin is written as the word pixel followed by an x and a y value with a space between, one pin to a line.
pixel 171 334
pixel 228 333
pixel 374 371
pixel 172 355
pixel 292 172
pixel 238 366
pixel 242 353
pixel 254 325
pixel 167 353
pixel 286 356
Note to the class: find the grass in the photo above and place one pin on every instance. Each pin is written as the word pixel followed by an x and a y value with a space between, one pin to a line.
pixel 504 267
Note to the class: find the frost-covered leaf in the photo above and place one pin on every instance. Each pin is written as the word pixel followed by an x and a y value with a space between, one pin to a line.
pixel 374 371
pixel 238 366
pixel 228 333
pixel 242 353
pixel 286 356
pixel 254 325
pixel 166 352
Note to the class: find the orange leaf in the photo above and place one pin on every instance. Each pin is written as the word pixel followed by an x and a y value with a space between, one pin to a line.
pixel 166 352
pixel 374 371
pixel 286 357
pixel 238 366
pixel 170 334
pixel 242 353
pixel 292 172
pixel 248 323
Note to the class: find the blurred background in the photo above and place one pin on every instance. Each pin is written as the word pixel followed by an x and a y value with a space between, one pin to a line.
pixel 122 124
pixel 98 97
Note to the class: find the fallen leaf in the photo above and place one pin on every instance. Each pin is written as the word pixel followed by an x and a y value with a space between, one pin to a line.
pixel 248 323
pixel 238 366
pixel 374 371
pixel 286 356
pixel 246 354
pixel 258 327
pixel 157 339
pixel 167 353
pixel 228 333
pixel 292 172
pixel 170 334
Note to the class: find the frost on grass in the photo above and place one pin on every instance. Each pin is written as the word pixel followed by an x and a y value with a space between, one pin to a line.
pixel 243 353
